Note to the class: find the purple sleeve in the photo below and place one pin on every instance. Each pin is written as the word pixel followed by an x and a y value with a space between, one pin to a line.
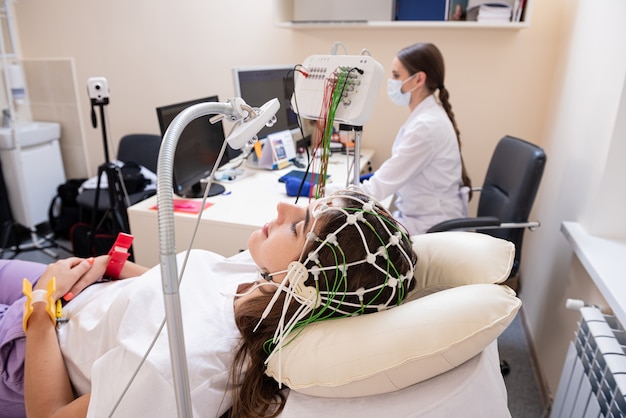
pixel 12 341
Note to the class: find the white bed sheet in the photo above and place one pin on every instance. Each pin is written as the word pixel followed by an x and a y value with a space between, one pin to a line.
pixel 474 389
pixel 103 345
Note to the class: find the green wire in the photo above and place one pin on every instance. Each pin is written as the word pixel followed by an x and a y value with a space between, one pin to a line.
pixel 326 311
pixel 338 90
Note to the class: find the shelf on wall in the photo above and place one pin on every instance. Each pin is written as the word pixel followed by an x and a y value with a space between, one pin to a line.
pixel 401 24
pixel 284 13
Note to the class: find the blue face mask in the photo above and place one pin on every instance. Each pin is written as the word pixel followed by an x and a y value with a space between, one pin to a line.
pixel 394 91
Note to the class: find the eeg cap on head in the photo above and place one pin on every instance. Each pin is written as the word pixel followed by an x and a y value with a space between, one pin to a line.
pixel 331 292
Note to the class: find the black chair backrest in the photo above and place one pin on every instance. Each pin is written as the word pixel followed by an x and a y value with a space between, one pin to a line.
pixel 510 187
pixel 142 149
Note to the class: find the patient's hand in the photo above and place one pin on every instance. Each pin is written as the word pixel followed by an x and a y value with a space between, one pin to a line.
pixel 70 275
pixel 99 267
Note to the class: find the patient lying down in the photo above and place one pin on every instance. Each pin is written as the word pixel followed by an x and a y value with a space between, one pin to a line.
pixel 343 255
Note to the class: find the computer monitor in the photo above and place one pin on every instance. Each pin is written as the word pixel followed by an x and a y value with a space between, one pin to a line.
pixel 257 85
pixel 197 149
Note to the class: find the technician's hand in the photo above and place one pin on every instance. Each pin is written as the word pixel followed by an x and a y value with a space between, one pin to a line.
pixel 69 274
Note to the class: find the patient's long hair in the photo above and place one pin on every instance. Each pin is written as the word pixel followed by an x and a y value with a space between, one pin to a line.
pixel 254 393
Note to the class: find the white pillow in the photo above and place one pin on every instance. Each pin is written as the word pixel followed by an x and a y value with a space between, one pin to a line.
pixel 455 258
pixel 390 350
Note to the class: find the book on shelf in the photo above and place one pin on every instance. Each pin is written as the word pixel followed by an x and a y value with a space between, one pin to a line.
pixel 461 10
pixel 518 10
pixel 494 11
pixel 425 10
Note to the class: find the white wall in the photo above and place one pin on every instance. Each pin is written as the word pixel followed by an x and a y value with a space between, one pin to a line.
pixel 604 214
pixel 582 182
pixel 159 52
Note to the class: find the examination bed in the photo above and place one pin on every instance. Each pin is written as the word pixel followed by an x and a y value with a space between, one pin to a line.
pixel 474 389
pixel 435 355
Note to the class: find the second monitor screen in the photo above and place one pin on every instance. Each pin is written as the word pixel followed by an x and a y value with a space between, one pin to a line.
pixel 257 85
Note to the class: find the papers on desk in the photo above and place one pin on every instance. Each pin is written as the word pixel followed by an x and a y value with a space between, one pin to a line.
pixel 188 206
pixel 278 151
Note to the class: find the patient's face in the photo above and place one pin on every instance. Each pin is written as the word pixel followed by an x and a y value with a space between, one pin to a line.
pixel 276 245
pixel 280 241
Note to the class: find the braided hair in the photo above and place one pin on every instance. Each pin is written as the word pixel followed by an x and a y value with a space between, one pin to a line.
pixel 426 57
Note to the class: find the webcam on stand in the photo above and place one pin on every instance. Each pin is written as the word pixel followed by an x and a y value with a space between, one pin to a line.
pixel 98 90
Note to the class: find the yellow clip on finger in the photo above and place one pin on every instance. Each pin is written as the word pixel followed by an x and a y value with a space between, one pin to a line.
pixel 39 295
pixel 58 309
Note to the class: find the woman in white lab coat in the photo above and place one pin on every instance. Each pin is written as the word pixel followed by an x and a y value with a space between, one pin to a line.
pixel 426 170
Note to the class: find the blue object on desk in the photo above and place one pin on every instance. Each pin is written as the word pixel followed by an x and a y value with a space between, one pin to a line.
pixel 365 177
pixel 299 174
pixel 292 185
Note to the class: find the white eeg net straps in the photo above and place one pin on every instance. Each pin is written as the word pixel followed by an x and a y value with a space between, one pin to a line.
pixel 333 298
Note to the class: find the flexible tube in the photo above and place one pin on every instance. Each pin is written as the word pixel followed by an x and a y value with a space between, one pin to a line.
pixel 167 246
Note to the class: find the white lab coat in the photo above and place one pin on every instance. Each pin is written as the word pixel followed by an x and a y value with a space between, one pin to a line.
pixel 424 170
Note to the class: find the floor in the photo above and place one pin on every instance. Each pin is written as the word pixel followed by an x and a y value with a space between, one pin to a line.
pixel 524 394
pixel 525 398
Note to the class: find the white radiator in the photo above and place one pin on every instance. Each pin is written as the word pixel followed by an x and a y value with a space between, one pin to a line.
pixel 593 381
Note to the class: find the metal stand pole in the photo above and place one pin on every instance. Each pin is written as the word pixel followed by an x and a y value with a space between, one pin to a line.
pixel 116 209
pixel 358 131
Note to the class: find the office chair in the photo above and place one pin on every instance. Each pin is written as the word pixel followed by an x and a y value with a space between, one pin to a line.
pixel 507 195
pixel 506 198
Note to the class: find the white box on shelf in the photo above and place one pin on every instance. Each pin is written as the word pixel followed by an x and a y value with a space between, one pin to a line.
pixel 343 10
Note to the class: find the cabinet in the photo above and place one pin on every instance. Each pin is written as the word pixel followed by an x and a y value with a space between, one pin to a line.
pixel 284 16
pixel 32 168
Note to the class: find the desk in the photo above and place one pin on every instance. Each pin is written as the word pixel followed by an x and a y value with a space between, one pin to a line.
pixel 249 202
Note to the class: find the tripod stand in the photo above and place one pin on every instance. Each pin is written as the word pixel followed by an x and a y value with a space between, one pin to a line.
pixel 115 212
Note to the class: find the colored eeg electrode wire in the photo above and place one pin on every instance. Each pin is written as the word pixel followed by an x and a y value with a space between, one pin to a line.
pixel 333 94
pixel 334 90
